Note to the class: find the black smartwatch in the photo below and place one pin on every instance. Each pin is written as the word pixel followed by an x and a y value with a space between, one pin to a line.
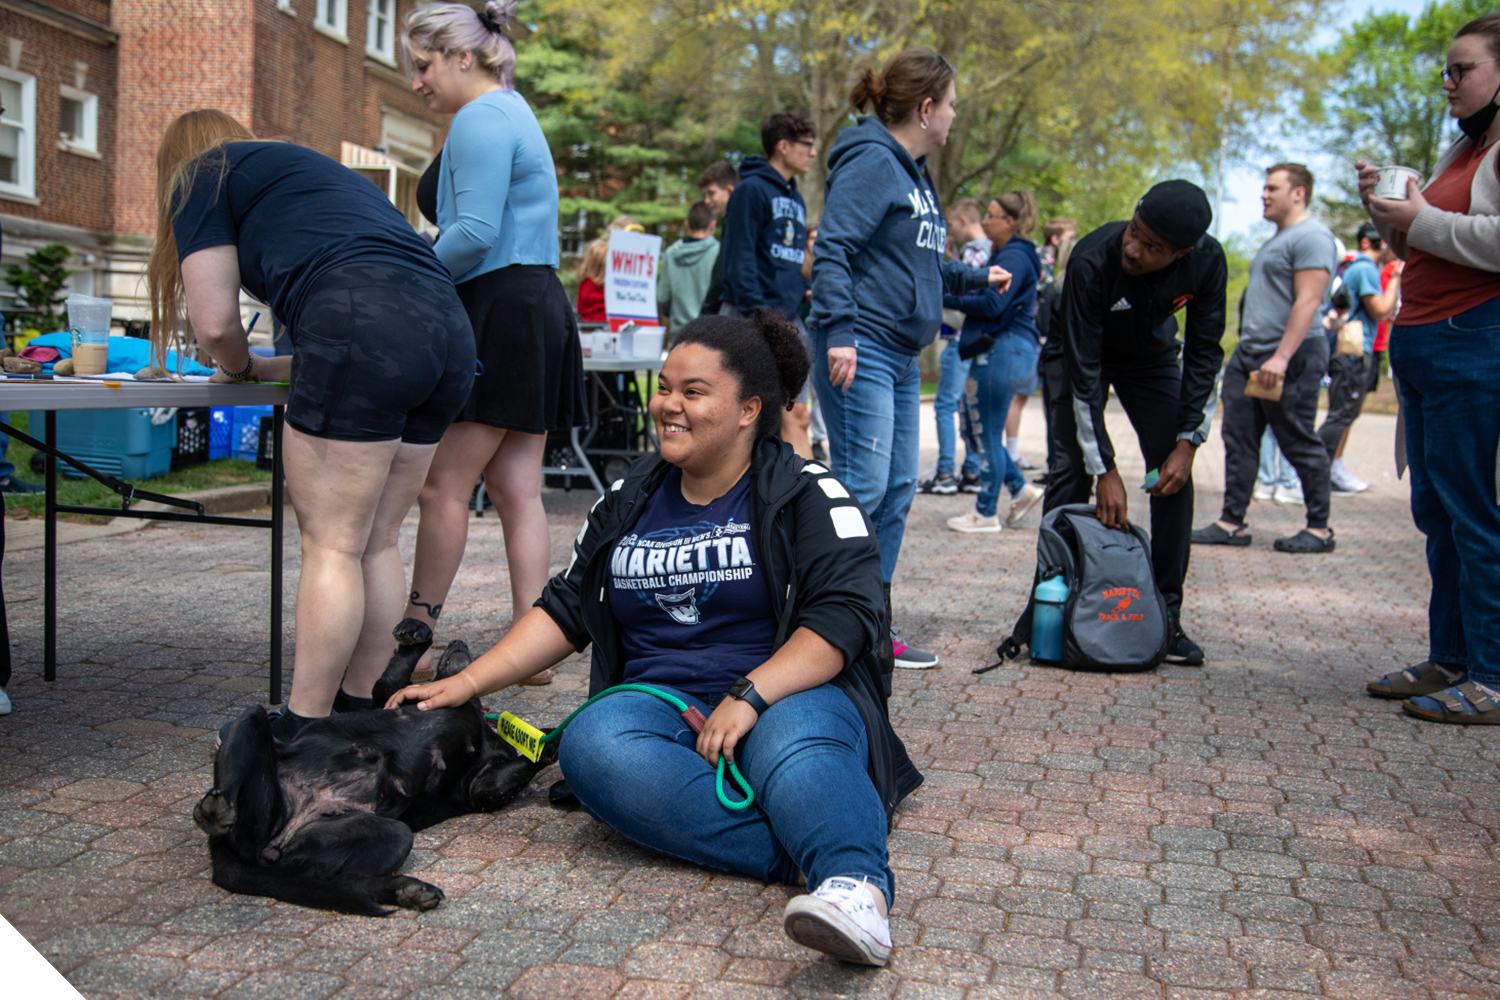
pixel 744 690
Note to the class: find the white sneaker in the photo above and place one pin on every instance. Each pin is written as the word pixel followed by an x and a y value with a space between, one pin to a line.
pixel 839 918
pixel 1345 482
pixel 1022 503
pixel 1288 498
pixel 1263 491
pixel 972 523
pixel 4 702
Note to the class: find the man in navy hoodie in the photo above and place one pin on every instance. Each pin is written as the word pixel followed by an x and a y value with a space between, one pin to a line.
pixel 765 239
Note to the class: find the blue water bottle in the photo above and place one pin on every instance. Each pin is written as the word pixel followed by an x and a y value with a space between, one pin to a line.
pixel 1047 619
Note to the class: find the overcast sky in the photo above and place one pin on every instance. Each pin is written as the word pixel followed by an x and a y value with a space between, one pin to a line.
pixel 1242 194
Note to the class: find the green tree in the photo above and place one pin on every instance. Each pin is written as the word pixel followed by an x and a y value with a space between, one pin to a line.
pixel 1384 102
pixel 39 286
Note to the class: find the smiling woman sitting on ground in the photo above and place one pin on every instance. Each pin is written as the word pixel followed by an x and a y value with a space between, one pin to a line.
pixel 746 582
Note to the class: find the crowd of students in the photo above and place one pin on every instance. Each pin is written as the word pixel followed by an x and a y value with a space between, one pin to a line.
pixel 732 570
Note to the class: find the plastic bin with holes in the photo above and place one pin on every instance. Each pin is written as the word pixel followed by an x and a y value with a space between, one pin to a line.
pixel 131 443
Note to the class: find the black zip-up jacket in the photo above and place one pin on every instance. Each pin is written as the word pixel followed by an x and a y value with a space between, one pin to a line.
pixel 822 567
pixel 1110 316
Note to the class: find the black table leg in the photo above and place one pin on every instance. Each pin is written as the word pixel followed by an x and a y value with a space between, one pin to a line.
pixel 49 560
pixel 278 535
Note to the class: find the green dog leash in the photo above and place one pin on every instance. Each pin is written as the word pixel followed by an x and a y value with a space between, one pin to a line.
pixel 530 740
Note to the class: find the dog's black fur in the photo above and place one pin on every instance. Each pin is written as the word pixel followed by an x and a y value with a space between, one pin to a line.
pixel 326 819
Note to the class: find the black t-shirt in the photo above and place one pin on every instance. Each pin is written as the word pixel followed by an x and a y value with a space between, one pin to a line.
pixel 294 215
pixel 689 592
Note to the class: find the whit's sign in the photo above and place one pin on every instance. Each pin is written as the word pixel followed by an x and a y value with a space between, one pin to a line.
pixel 630 278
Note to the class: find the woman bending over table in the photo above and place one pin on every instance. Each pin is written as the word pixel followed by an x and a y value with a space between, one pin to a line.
pixel 382 360
pixel 745 581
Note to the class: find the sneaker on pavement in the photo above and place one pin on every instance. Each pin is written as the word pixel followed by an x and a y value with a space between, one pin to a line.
pixel 1263 491
pixel 970 483
pixel 1345 483
pixel 839 918
pixel 4 702
pixel 1022 504
pixel 944 484
pixel 973 523
pixel 1181 650
pixel 910 657
pixel 1288 497
pixel 1026 466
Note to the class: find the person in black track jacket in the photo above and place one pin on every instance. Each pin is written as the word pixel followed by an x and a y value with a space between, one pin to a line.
pixel 1127 282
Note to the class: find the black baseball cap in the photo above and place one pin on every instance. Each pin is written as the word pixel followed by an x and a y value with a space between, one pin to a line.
pixel 1177 211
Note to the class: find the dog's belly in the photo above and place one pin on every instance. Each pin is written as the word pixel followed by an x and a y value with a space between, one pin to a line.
pixel 312 797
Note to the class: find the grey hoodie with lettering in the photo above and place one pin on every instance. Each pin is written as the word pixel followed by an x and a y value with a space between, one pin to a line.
pixel 878 269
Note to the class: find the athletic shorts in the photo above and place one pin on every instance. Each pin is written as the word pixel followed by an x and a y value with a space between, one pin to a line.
pixel 380 352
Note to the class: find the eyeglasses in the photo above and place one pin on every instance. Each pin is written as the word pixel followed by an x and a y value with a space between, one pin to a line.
pixel 1457 71
pixel 812 146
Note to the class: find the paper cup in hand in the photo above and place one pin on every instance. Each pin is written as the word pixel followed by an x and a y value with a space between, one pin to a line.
pixel 1390 182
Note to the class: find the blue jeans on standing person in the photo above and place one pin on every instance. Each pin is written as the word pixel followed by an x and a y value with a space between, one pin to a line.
pixel 7 467
pixel 994 377
pixel 630 760
pixel 1448 375
pixel 1270 455
pixel 952 375
pixel 873 433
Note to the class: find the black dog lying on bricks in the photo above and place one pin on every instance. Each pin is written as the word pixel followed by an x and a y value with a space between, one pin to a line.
pixel 326 819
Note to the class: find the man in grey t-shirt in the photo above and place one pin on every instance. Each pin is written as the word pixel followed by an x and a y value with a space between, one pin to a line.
pixel 1281 342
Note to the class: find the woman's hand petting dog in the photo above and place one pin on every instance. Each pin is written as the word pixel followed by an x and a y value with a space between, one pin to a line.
pixel 450 692
pixel 724 729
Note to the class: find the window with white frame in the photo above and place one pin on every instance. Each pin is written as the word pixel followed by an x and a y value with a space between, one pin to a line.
pixel 17 133
pixel 78 119
pixel 380 30
pixel 332 16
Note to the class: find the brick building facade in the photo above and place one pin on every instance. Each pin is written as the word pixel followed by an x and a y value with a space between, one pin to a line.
pixel 106 76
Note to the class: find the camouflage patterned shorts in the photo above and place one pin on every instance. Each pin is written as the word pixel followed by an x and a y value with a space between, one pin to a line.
pixel 380 352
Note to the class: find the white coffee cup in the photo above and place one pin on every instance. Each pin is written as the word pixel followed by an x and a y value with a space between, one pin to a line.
pixel 1390 182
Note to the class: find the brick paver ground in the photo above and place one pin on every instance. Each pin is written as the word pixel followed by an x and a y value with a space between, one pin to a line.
pixel 1255 828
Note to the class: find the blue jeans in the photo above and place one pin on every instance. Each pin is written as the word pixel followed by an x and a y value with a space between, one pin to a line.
pixel 874 432
pixel 7 467
pixel 1270 454
pixel 1448 374
pixel 630 760
pixel 950 393
pixel 994 378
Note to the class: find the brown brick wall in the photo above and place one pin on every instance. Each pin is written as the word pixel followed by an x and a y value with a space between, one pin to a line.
pixel 72 190
pixel 175 55
pixel 317 91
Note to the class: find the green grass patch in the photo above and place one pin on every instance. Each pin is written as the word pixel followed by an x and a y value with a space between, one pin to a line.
pixel 88 492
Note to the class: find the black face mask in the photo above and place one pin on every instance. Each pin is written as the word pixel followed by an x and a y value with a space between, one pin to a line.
pixel 1476 125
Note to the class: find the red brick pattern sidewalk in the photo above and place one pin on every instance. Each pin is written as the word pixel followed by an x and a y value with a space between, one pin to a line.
pixel 1255 828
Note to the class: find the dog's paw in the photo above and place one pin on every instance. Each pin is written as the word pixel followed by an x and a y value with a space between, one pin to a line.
pixel 414 894
pixel 411 632
pixel 214 813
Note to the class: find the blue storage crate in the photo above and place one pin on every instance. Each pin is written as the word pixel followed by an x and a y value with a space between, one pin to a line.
pixel 220 431
pixel 246 440
pixel 131 444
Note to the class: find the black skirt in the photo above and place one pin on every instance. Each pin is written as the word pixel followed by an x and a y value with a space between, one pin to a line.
pixel 526 338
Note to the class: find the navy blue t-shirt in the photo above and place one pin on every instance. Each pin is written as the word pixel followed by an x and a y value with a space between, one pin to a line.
pixel 690 594
pixel 294 215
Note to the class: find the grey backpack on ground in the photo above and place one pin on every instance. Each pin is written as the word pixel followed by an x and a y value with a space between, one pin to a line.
pixel 1115 618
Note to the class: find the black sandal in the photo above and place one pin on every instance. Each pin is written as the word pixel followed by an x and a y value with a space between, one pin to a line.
pixel 1213 534
pixel 1305 542
pixel 1414 682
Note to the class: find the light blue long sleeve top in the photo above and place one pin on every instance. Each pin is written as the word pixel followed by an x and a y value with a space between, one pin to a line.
pixel 497 189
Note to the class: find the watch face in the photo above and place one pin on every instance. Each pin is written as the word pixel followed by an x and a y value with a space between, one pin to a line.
pixel 739 687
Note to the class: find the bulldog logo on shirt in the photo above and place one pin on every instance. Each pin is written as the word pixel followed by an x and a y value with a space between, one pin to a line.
pixel 790 235
pixel 682 607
